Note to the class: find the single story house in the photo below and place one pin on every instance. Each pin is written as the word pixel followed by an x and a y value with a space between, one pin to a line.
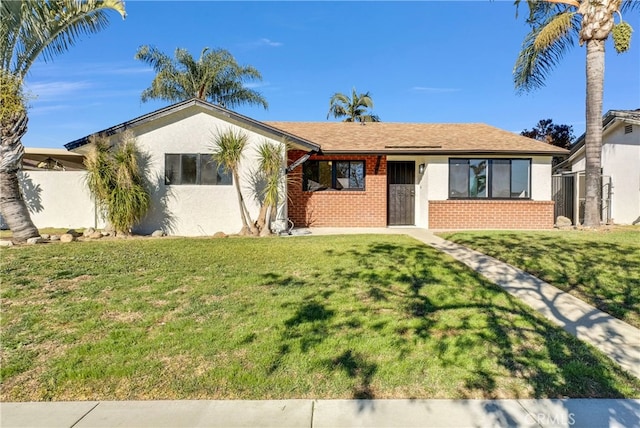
pixel 437 176
pixel 620 168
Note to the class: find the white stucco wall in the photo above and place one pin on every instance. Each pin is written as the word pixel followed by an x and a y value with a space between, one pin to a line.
pixel 437 177
pixel 58 199
pixel 193 210
pixel 620 161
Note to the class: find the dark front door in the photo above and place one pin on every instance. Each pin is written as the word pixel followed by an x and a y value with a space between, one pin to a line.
pixel 401 193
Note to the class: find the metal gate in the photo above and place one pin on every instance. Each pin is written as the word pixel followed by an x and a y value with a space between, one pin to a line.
pixel 562 189
pixel 401 193
pixel 568 193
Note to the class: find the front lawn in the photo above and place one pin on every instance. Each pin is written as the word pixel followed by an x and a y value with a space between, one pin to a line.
pixel 601 267
pixel 300 317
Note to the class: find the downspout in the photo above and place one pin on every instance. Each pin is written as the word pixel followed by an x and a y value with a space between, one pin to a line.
pixel 282 216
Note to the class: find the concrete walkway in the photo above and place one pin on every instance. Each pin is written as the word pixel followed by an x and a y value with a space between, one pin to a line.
pixel 618 340
pixel 325 413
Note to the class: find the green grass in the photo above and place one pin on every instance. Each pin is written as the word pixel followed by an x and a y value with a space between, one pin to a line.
pixel 601 267
pixel 300 317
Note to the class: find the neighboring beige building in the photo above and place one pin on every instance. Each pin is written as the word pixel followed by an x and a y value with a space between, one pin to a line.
pixel 620 165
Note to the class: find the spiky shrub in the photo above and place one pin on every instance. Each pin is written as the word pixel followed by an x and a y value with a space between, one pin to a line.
pixel 228 151
pixel 270 163
pixel 116 181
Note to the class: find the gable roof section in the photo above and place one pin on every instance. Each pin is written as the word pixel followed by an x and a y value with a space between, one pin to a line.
pixel 415 138
pixel 214 110
pixel 608 120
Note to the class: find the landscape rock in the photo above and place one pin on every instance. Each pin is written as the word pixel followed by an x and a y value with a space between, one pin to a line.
pixel 220 235
pixel 35 240
pixel 46 236
pixel 562 221
pixel 95 235
pixel 105 233
pixel 6 243
pixel 157 233
pixel 72 232
pixel 67 237
pixel 88 232
pixel 54 238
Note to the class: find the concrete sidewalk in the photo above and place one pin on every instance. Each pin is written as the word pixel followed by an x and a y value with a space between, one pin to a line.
pixel 325 413
pixel 617 339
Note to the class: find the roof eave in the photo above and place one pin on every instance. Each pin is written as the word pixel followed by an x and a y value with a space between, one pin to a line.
pixel 237 118
pixel 445 152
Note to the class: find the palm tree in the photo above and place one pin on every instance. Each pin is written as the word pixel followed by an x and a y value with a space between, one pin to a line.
pixel 116 181
pixel 228 147
pixel 30 30
pixel 554 26
pixel 215 77
pixel 352 109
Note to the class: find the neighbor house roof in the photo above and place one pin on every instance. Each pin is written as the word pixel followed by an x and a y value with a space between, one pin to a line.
pixel 609 119
pixel 415 138
pixel 214 110
pixel 57 159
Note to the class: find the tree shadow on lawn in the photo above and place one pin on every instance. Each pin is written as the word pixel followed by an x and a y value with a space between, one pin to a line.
pixel 604 274
pixel 413 295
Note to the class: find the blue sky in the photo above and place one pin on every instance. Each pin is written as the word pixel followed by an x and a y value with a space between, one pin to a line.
pixel 422 61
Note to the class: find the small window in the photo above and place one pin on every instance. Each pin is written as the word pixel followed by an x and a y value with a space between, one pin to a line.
pixel 194 169
pixel 628 129
pixel 333 175
pixel 490 178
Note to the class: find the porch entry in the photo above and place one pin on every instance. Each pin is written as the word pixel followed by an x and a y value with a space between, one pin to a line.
pixel 401 193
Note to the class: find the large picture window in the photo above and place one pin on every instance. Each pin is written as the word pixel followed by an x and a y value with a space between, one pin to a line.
pixel 333 175
pixel 490 178
pixel 193 168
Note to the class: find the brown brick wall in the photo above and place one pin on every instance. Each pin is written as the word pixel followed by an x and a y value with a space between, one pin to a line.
pixel 344 208
pixel 490 214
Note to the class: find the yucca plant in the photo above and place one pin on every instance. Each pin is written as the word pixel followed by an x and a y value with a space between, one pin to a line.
pixel 116 181
pixel 227 151
pixel 270 164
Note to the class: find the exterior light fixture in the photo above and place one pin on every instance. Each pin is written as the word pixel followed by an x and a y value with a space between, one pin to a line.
pixel 421 168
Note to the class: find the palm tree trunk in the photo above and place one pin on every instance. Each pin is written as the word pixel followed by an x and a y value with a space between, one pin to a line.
pixel 12 206
pixel 593 134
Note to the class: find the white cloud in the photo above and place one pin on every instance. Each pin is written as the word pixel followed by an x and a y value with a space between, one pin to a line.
pixel 432 90
pixel 268 42
pixel 254 85
pixel 44 91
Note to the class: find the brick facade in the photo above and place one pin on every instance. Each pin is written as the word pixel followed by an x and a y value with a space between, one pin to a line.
pixel 344 208
pixel 490 214
pixel 368 208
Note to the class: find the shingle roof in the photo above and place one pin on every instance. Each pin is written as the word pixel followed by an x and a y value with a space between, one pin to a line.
pixel 414 138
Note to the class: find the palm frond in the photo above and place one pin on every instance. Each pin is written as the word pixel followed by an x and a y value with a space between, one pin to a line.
pixel 559 26
pixel 534 64
pixel 46 29
pixel 228 148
